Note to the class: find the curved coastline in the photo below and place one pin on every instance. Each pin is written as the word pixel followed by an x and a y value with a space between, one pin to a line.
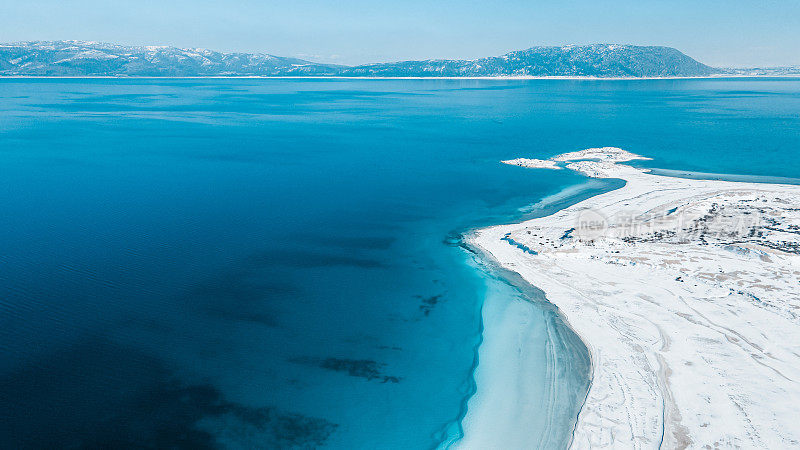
pixel 668 298
pixel 561 396
pixel 453 431
pixel 494 270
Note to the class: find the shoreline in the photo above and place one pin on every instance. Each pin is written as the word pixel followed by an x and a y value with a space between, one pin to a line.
pixel 311 77
pixel 664 315
pixel 523 298
pixel 519 326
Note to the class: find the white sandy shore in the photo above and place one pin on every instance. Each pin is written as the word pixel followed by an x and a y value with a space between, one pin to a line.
pixel 686 293
pixel 532 375
pixel 509 77
pixel 533 163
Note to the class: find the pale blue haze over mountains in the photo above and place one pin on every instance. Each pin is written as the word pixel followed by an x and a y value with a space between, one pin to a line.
pixel 69 58
pixel 733 33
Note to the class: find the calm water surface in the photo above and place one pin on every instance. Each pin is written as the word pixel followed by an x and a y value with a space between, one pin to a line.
pixel 273 263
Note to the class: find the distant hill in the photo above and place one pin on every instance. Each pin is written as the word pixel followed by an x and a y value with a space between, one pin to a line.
pixel 786 71
pixel 76 58
pixel 598 60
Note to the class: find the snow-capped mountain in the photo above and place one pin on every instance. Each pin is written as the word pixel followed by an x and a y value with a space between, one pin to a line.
pixel 77 58
pixel 598 60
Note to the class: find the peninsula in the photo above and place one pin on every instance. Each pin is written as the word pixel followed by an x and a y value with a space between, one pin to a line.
pixel 686 294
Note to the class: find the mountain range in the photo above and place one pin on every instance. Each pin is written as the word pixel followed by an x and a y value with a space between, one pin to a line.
pixel 79 58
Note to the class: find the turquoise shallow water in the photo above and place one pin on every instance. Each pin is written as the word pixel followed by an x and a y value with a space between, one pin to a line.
pixel 274 263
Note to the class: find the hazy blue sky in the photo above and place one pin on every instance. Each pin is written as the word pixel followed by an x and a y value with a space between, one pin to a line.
pixel 723 33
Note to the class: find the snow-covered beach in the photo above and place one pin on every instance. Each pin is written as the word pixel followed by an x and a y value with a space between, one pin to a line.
pixel 525 345
pixel 686 294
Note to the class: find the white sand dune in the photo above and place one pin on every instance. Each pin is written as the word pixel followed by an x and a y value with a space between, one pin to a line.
pixel 687 294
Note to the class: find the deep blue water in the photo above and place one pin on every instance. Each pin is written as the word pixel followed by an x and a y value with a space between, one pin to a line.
pixel 272 263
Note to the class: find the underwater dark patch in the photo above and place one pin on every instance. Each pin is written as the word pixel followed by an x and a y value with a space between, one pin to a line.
pixel 428 303
pixel 362 368
pixel 101 395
